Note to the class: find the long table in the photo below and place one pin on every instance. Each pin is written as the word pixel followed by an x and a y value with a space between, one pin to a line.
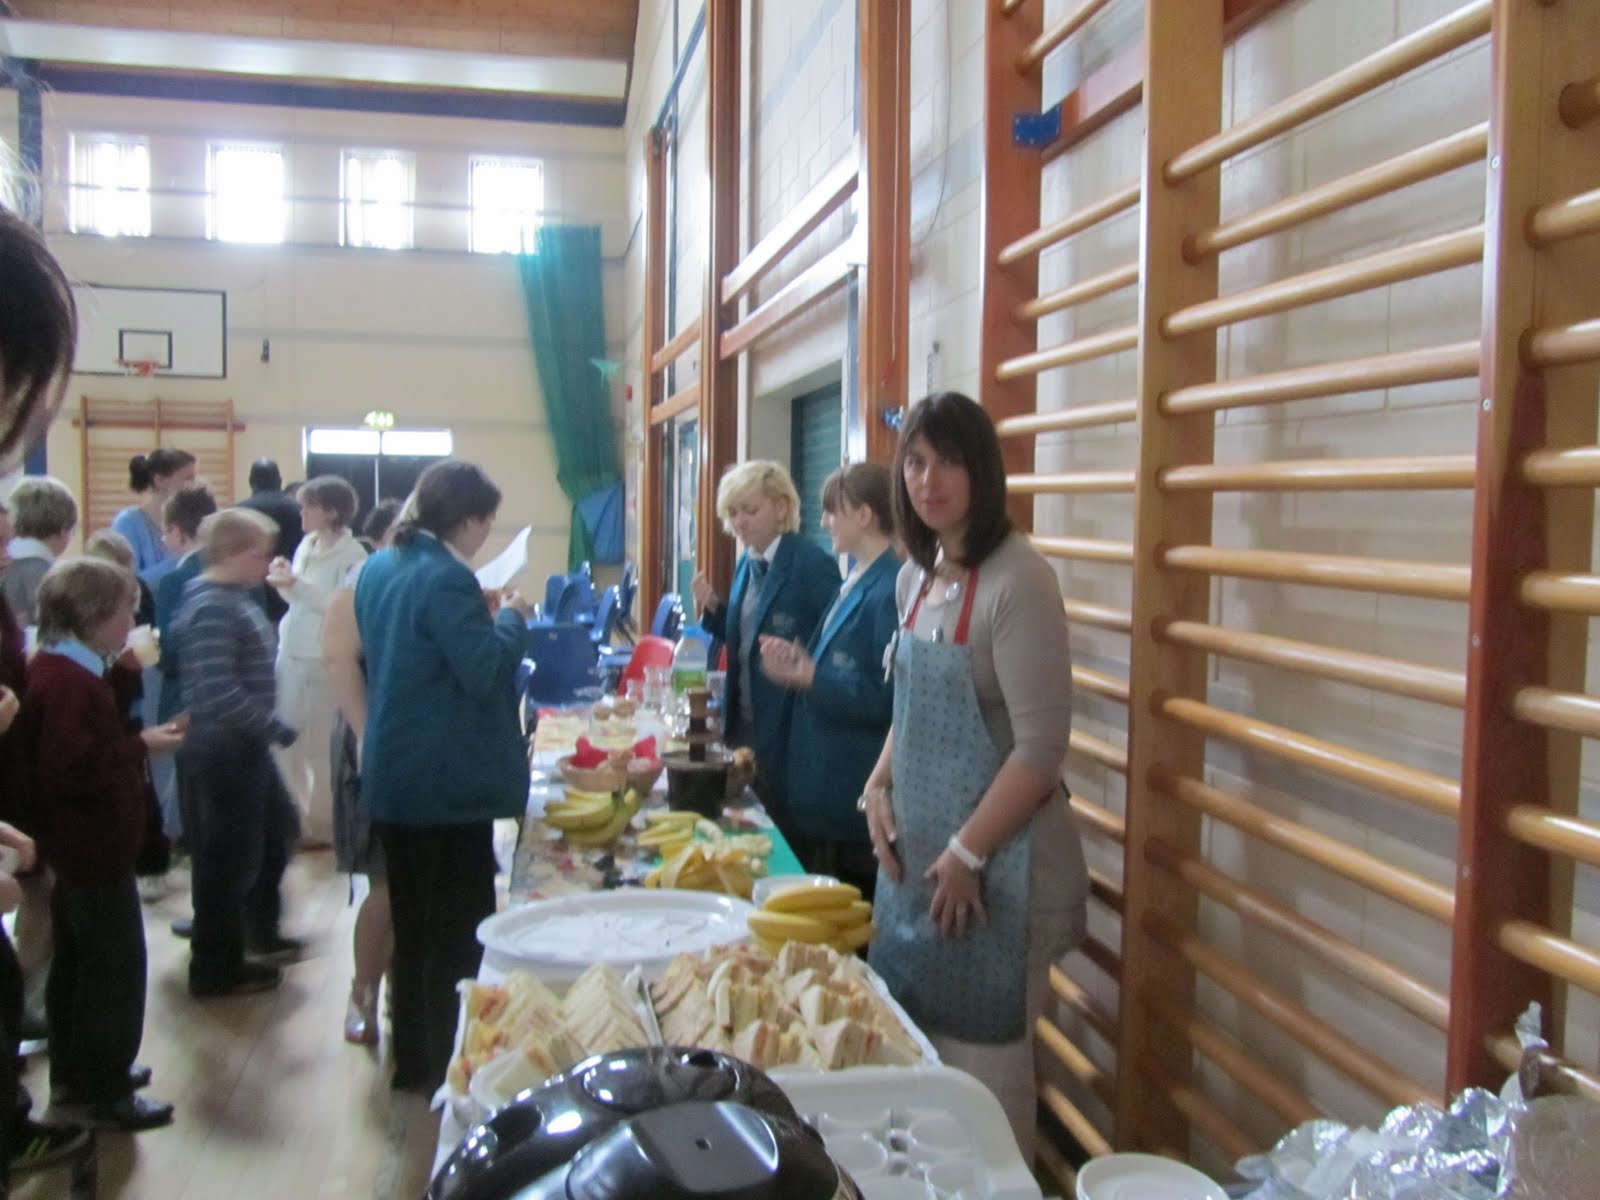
pixel 545 866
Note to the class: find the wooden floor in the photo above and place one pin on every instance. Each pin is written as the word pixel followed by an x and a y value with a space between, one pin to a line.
pixel 270 1100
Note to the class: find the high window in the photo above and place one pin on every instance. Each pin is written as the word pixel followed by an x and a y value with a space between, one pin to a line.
pixel 507 196
pixel 248 202
pixel 110 185
pixel 377 189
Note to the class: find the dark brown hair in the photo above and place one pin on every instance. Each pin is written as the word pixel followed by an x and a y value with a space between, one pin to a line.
pixel 333 494
pixel 862 485
pixel 38 334
pixel 956 429
pixel 448 494
pixel 188 506
pixel 144 468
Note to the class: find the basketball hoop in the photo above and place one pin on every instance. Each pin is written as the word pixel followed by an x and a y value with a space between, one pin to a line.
pixel 141 368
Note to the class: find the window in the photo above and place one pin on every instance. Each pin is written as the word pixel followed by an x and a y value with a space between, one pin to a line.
pixel 111 186
pixel 247 193
pixel 377 199
pixel 507 195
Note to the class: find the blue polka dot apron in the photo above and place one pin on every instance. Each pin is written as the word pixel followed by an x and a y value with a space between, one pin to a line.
pixel 973 987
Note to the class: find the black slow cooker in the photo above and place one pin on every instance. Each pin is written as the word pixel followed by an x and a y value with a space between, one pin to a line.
pixel 654 1123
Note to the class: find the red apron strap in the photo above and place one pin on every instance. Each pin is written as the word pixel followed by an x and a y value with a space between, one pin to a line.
pixel 966 608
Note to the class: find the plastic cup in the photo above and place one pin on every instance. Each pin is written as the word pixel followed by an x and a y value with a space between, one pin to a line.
pixel 146 647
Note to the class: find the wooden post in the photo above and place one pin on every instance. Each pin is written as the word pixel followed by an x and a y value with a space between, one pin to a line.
pixel 1010 210
pixel 1533 159
pixel 719 376
pixel 652 513
pixel 1183 105
pixel 883 196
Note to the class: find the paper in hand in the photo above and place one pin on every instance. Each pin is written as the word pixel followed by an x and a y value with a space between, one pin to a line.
pixel 506 565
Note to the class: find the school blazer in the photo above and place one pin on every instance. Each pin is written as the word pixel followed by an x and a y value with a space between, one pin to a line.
pixel 443 745
pixel 801 582
pixel 840 723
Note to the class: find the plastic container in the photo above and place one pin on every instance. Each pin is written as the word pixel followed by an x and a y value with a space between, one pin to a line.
pixel 690 660
pixel 941 1133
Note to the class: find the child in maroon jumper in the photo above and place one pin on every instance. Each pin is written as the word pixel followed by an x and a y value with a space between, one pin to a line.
pixel 89 778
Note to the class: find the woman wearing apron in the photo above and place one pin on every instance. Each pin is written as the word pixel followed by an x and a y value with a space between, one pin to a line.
pixel 982 883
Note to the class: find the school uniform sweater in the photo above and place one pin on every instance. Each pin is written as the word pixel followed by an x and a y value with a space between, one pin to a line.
pixel 88 773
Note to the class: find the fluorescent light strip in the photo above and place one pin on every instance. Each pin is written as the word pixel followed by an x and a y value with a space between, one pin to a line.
pixel 285 58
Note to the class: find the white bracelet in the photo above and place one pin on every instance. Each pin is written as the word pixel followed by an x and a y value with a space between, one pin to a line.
pixel 967 858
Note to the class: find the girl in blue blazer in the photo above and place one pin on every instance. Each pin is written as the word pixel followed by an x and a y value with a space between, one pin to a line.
pixel 781 588
pixel 443 753
pixel 843 703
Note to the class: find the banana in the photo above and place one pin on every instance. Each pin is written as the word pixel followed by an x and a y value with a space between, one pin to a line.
pixel 610 828
pixel 575 821
pixel 807 898
pixel 846 918
pixel 657 835
pixel 671 816
pixel 790 927
pixel 852 940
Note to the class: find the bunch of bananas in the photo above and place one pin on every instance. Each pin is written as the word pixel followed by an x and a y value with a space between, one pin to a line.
pixel 591 819
pixel 832 914
pixel 715 866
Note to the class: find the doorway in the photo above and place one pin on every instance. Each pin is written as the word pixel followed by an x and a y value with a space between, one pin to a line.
pixel 379 465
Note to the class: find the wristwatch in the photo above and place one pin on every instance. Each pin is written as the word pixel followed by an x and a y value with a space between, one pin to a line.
pixel 967 858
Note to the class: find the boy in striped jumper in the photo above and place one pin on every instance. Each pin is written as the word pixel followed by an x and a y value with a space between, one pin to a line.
pixel 247 823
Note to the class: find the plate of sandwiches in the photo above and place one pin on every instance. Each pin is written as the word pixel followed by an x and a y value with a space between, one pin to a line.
pixel 808 1008
pixel 558 939
pixel 515 1034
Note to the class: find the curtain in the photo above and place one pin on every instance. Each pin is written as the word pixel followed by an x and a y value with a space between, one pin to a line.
pixel 566 318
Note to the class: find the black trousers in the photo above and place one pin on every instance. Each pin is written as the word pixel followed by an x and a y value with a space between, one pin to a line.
pixel 14 1101
pixel 95 998
pixel 441 885
pixel 247 825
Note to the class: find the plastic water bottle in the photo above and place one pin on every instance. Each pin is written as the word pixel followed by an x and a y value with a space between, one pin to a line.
pixel 690 660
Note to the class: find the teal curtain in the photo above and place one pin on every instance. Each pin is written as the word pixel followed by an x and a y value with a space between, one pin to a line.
pixel 566 318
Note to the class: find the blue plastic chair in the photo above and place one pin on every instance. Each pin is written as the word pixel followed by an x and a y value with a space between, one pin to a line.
pixel 668 621
pixel 553 587
pixel 605 616
pixel 627 593
pixel 563 657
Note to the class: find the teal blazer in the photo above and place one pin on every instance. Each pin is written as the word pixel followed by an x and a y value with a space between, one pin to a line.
pixel 801 583
pixel 840 723
pixel 443 744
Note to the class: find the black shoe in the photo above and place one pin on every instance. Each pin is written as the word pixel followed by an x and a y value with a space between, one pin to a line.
pixel 63 1096
pixel 278 950
pixel 39 1146
pixel 130 1114
pixel 183 927
pixel 249 977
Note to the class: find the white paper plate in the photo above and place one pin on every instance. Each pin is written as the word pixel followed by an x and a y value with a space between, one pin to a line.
pixel 770 885
pixel 558 939
pixel 1144 1177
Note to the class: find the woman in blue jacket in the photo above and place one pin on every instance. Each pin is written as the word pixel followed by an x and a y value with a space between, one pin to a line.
pixel 443 755
pixel 781 588
pixel 844 702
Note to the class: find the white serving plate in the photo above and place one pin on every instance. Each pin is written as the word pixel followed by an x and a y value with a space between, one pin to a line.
pixel 1130 1176
pixel 558 939
pixel 883 1105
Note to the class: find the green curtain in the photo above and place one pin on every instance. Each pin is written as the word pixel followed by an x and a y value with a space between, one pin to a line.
pixel 566 318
